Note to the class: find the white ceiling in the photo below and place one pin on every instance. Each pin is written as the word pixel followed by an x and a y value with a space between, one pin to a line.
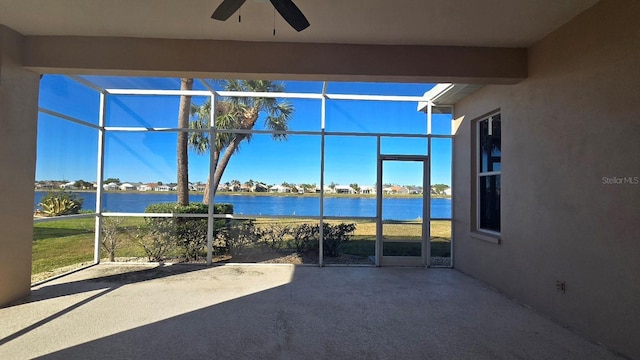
pixel 509 23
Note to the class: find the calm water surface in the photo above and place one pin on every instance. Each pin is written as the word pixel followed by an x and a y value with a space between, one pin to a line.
pixel 393 208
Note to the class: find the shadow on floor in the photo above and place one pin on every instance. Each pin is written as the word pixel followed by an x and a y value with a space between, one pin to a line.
pixel 281 312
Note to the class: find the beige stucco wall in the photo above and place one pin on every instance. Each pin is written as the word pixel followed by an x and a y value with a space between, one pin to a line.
pixel 575 120
pixel 18 114
pixel 279 61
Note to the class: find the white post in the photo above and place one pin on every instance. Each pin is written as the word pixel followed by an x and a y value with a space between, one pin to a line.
pixel 429 113
pixel 426 208
pixel 379 194
pixel 426 223
pixel 452 227
pixel 100 176
pixel 212 170
pixel 323 114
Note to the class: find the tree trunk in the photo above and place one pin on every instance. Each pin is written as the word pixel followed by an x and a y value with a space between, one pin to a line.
pixel 221 163
pixel 207 188
pixel 183 144
pixel 224 160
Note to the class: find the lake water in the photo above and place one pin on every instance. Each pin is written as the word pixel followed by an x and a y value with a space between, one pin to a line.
pixel 393 208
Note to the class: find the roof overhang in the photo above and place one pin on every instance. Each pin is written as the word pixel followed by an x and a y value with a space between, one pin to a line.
pixel 443 96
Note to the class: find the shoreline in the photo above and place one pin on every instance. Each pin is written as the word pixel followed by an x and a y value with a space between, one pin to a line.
pixel 229 193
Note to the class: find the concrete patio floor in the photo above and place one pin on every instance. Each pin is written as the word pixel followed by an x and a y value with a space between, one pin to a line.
pixel 278 312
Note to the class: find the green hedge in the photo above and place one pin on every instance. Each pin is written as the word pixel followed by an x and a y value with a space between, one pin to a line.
pixel 195 208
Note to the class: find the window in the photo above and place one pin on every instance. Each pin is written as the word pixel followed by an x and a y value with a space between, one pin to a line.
pixel 488 174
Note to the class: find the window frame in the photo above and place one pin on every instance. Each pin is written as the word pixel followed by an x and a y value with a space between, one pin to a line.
pixel 490 235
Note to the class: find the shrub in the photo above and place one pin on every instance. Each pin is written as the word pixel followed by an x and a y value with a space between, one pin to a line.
pixel 157 238
pixel 193 208
pixel 304 235
pixel 60 203
pixel 112 237
pixel 274 235
pixel 334 235
pixel 190 234
pixel 237 236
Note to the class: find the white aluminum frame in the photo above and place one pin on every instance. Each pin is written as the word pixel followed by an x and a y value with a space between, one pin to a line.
pixel 214 95
pixel 425 247
pixel 480 174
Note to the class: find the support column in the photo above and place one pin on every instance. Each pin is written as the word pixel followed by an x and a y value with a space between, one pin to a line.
pixel 18 125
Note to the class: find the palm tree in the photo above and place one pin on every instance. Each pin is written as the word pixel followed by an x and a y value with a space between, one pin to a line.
pixel 332 186
pixel 183 154
pixel 235 184
pixel 240 113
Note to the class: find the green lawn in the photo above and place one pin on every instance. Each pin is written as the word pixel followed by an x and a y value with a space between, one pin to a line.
pixel 62 243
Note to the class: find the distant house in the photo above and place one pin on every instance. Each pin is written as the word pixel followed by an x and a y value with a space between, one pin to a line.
pixel 328 190
pixel 395 190
pixel 447 191
pixel 46 186
pixel 163 188
pixel 344 189
pixel 197 187
pixel 68 186
pixel 222 187
pixel 147 187
pixel 366 189
pixel 414 190
pixel 310 189
pixel 259 187
pixel 127 187
pixel 279 189
pixel 111 186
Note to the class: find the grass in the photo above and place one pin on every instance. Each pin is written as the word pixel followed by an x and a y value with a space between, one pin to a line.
pixel 58 244
pixel 63 243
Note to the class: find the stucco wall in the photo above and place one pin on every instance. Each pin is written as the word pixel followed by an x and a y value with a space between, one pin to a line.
pixel 280 61
pixel 18 115
pixel 575 120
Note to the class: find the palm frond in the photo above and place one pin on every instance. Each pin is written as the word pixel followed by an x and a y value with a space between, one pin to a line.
pixel 199 141
pixel 240 113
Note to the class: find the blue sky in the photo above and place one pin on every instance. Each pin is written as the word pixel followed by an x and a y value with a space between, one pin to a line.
pixel 69 151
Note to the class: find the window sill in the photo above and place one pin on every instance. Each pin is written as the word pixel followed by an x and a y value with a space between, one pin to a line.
pixel 491 238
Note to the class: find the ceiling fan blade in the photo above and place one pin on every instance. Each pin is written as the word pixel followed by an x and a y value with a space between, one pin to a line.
pixel 226 9
pixel 291 13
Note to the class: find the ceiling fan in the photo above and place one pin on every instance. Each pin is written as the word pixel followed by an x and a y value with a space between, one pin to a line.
pixel 287 9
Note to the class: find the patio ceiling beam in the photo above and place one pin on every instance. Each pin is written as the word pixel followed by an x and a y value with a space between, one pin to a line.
pixel 273 60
